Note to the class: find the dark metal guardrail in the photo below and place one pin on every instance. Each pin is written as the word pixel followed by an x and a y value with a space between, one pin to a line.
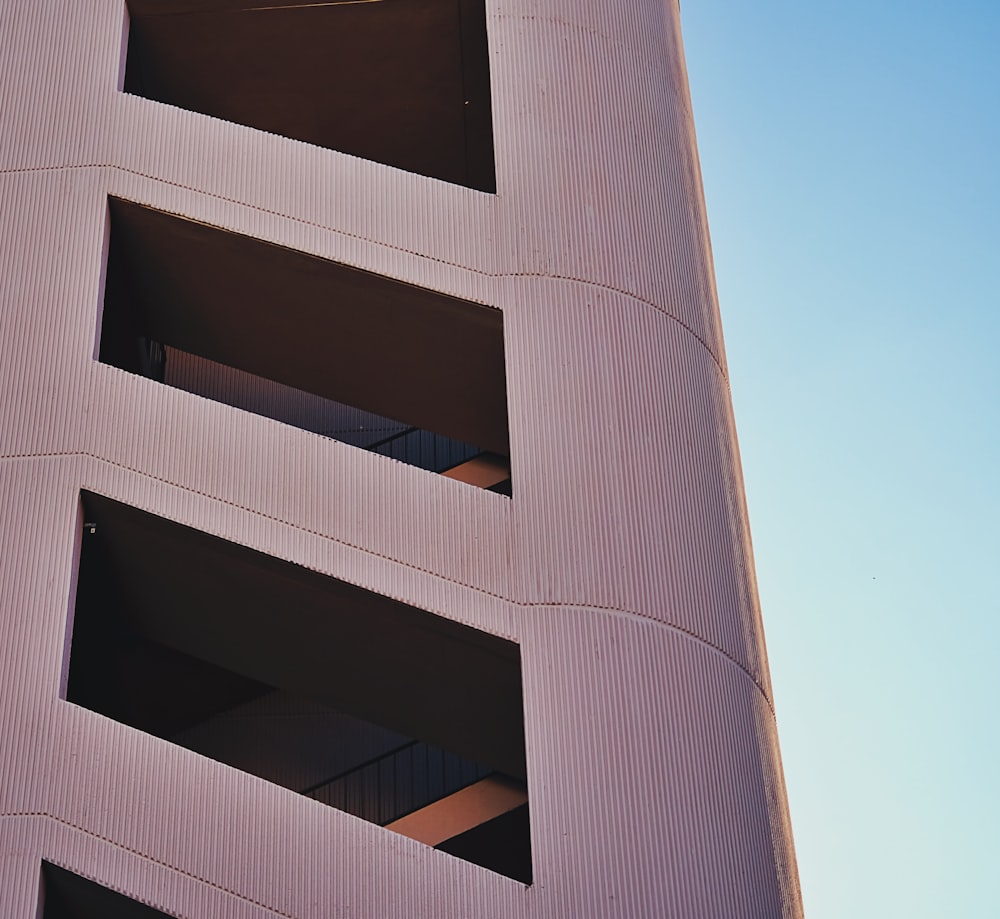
pixel 398 782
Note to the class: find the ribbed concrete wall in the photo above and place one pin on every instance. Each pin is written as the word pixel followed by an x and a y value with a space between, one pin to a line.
pixel 622 565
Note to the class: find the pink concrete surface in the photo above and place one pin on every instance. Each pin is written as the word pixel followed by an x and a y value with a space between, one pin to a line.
pixel 622 565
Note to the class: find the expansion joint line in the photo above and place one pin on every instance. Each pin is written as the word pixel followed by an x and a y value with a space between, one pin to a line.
pixel 403 250
pixel 632 296
pixel 356 547
pixel 29 815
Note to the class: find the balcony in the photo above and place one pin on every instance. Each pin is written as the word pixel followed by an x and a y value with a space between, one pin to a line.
pixel 350 698
pixel 404 84
pixel 401 370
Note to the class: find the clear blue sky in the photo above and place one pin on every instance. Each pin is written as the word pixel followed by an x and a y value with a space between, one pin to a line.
pixel 851 154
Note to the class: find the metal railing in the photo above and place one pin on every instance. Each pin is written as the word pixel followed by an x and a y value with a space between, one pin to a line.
pixel 398 782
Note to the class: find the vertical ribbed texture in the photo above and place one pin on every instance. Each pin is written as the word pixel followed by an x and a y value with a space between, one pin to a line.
pixel 622 564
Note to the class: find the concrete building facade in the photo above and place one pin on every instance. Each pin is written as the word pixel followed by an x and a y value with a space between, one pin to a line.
pixel 374 541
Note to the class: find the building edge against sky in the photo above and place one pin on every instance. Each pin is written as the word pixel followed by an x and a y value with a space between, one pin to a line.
pixel 619 565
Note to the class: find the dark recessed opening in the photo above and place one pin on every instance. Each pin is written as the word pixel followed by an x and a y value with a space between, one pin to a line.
pixel 402 370
pixel 358 701
pixel 69 896
pixel 496 844
pixel 401 82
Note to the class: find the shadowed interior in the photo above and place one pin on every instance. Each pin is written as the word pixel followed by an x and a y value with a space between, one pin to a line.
pixel 356 700
pixel 401 82
pixel 497 844
pixel 405 352
pixel 69 896
pixel 267 623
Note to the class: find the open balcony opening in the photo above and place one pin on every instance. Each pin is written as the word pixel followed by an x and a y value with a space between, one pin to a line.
pixel 402 370
pixel 358 701
pixel 68 896
pixel 401 82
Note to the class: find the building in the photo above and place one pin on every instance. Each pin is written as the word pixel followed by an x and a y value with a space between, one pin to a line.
pixel 374 538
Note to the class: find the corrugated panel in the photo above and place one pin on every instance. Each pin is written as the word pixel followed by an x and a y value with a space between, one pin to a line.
pixel 675 758
pixel 622 564
pixel 658 534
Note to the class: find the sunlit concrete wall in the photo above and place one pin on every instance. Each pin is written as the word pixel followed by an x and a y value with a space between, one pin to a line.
pixel 622 565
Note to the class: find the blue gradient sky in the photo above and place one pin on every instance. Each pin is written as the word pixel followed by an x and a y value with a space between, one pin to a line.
pixel 850 154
